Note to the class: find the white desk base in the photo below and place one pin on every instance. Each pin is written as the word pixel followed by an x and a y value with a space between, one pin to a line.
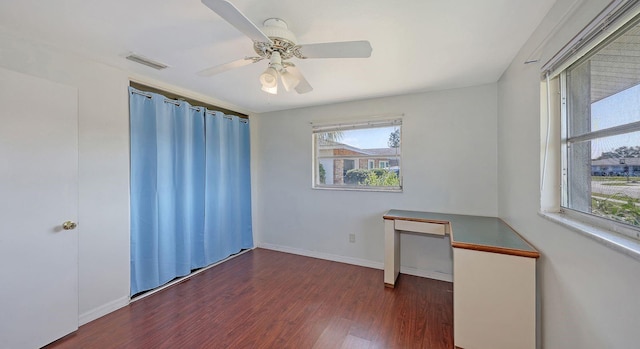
pixel 392 229
pixel 494 288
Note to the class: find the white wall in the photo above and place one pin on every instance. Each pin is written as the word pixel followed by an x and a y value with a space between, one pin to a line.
pixel 449 164
pixel 103 220
pixel 449 159
pixel 588 292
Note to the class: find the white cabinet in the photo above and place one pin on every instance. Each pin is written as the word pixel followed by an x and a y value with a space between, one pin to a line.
pixel 493 300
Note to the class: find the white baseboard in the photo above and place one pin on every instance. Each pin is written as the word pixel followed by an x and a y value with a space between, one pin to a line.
pixel 431 274
pixel 322 255
pixel 102 310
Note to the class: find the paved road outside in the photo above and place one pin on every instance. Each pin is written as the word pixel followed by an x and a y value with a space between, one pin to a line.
pixel 629 189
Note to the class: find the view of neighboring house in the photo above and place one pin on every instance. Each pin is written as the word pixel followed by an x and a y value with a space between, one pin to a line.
pixel 337 158
pixel 615 167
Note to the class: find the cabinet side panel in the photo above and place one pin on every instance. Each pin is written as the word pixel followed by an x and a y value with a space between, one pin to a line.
pixel 493 300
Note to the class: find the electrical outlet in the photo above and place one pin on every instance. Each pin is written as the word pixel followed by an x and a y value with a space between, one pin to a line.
pixel 352 237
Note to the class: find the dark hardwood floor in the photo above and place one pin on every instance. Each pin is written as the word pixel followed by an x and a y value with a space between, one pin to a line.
pixel 268 299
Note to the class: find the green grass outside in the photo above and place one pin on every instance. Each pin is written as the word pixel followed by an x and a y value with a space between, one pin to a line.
pixel 614 179
pixel 623 209
pixel 615 197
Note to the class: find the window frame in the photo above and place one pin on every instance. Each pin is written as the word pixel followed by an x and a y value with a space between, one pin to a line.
pixel 577 215
pixel 614 21
pixel 568 139
pixel 365 123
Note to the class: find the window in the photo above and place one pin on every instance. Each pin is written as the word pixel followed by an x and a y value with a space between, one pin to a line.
pixel 600 131
pixel 358 156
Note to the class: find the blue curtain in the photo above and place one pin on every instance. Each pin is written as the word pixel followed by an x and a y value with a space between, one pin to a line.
pixel 229 210
pixel 190 188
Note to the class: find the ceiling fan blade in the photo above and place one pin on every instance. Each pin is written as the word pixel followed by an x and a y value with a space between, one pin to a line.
pixel 228 66
pixel 303 85
pixel 231 14
pixel 344 49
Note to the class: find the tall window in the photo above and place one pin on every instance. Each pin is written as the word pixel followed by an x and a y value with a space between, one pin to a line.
pixel 358 156
pixel 600 108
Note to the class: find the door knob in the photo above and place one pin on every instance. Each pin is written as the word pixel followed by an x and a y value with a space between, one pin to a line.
pixel 69 225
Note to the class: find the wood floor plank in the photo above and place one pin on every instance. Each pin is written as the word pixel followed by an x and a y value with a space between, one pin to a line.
pixel 269 299
pixel 354 342
pixel 334 334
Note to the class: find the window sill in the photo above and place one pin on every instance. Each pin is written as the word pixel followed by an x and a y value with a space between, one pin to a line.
pixel 613 240
pixel 373 189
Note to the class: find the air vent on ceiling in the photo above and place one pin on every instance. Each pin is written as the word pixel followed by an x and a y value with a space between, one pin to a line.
pixel 146 61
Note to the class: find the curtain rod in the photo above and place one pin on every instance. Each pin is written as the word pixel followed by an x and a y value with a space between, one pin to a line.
pixel 176 96
pixel 177 103
pixel 142 94
pixel 166 100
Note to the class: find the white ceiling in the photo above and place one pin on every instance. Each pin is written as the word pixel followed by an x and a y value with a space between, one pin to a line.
pixel 418 45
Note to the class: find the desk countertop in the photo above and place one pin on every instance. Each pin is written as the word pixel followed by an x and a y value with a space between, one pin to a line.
pixel 488 234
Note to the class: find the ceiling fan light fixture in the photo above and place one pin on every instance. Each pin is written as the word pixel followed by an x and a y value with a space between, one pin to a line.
pixel 289 81
pixel 269 78
pixel 272 90
pixel 275 42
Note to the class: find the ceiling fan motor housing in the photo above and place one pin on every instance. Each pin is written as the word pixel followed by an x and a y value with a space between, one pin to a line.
pixel 283 40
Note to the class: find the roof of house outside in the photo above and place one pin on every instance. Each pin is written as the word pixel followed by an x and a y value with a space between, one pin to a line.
pixel 329 144
pixel 616 162
pixel 383 151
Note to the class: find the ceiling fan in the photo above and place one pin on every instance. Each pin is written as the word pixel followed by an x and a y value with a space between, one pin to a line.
pixel 277 43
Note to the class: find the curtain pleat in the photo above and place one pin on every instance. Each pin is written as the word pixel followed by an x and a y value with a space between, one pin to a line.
pixel 188 189
pixel 228 215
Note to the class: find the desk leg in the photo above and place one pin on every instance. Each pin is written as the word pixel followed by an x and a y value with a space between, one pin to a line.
pixel 391 253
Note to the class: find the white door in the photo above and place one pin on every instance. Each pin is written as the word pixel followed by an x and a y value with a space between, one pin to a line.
pixel 38 192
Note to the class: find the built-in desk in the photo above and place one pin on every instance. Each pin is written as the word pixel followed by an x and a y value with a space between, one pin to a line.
pixel 493 276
